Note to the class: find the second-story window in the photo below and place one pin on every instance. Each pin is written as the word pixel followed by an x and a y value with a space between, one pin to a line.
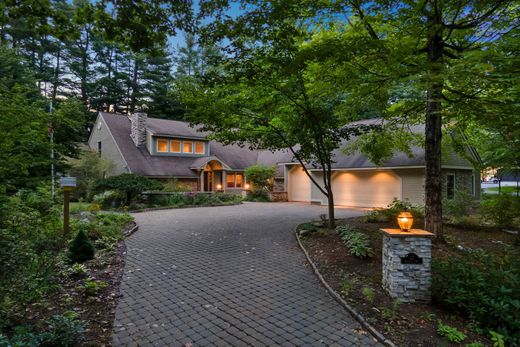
pixel 175 146
pixel 162 146
pixel 187 147
pixel 199 147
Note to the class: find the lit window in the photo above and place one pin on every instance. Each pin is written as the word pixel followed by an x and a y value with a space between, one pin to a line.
pixel 230 180
pixel 240 179
pixel 187 147
pixel 162 145
pixel 450 187
pixel 199 147
pixel 175 146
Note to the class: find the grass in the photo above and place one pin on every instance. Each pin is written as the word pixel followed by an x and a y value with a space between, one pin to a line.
pixel 507 189
pixel 76 207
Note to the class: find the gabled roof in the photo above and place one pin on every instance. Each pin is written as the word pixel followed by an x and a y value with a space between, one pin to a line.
pixel 234 157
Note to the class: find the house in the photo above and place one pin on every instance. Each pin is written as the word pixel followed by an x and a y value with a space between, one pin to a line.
pixel 166 149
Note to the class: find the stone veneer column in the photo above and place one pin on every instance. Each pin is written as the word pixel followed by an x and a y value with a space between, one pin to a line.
pixel 138 128
pixel 407 264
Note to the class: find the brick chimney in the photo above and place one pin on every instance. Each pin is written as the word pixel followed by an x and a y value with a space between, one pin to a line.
pixel 138 128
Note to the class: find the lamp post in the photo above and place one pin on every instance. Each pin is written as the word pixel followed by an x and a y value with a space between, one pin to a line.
pixel 405 221
pixel 67 183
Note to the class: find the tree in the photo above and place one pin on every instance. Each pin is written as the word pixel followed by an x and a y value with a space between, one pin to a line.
pixel 129 184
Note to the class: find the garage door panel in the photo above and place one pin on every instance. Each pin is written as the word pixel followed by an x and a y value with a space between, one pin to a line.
pixel 366 189
pixel 299 185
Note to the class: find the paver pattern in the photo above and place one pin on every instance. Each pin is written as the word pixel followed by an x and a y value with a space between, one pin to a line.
pixel 228 276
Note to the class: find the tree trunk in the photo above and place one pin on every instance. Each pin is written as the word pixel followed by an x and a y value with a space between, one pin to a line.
pixel 433 131
pixel 56 74
pixel 330 199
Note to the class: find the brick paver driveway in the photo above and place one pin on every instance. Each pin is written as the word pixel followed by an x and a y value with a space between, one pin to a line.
pixel 227 276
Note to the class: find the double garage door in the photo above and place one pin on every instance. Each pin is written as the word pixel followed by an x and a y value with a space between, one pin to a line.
pixel 350 188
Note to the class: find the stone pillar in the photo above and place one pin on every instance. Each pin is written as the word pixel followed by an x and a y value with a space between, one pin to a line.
pixel 407 264
pixel 138 128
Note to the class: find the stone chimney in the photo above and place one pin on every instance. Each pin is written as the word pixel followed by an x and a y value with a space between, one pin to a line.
pixel 138 128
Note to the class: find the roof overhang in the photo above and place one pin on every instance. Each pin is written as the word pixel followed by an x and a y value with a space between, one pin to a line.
pixel 202 162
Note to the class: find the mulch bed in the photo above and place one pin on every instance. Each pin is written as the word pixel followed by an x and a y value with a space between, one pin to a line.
pixel 409 324
pixel 97 310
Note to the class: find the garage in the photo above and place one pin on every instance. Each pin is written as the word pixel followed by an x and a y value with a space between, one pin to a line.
pixel 365 188
pixel 299 185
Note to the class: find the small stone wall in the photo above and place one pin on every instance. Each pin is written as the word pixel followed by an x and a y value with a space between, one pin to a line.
pixel 278 196
pixel 463 180
pixel 407 268
pixel 279 185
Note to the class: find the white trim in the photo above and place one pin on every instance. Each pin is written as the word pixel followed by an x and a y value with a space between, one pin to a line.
pixel 170 141
pixel 457 167
pixel 157 145
pixel 380 168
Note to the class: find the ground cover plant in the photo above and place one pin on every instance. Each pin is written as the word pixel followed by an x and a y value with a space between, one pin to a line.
pixel 475 281
pixel 41 280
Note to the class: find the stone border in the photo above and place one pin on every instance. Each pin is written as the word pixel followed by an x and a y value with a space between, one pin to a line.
pixel 131 231
pixel 364 323
pixel 151 209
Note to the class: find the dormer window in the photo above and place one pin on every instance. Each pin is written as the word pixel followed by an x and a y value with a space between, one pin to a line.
pixel 162 146
pixel 199 147
pixel 175 146
pixel 187 146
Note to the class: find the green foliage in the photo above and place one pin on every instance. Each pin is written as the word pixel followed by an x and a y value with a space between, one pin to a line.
pixel 390 213
pixel 78 270
pixel 128 184
pixel 475 344
pixel 88 168
pixel 347 286
pixel 461 205
pixel 450 333
pixel 257 195
pixel 261 176
pixel 93 287
pixel 368 293
pixel 391 313
pixel 376 216
pixel 502 210
pixel 63 330
pixel 482 286
pixel 109 199
pixel 173 185
pixel 497 339
pixel 357 243
pixel 192 199
pixel 81 248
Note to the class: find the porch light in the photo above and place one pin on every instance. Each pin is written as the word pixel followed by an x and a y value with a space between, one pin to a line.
pixel 405 221
pixel 219 186
pixel 246 186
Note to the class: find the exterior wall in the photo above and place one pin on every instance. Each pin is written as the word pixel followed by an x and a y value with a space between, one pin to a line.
pixel 279 185
pixel 463 180
pixel 316 195
pixel 109 148
pixel 412 185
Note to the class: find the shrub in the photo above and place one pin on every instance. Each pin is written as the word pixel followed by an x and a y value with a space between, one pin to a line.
pixel 173 185
pixel 368 293
pixel 460 205
pixel 258 196
pixel 502 210
pixel 63 330
pixel 261 177
pixel 129 184
pixel 92 287
pixel 482 286
pixel 88 168
pixel 81 248
pixel 391 212
pixel 357 243
pixel 376 216
pixel 450 333
pixel 108 199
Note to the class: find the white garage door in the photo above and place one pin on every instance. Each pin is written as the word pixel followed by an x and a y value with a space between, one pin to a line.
pixel 299 185
pixel 366 188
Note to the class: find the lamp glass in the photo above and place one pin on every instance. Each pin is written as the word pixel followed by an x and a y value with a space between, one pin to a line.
pixel 405 221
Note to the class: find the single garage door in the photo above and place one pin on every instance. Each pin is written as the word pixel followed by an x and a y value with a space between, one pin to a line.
pixel 299 185
pixel 366 188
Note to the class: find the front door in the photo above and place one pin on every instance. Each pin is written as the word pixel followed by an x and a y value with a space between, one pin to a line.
pixel 208 181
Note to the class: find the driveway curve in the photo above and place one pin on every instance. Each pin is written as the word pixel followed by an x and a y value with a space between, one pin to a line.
pixel 228 276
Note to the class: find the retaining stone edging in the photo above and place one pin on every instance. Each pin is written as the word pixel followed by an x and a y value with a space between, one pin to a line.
pixel 380 337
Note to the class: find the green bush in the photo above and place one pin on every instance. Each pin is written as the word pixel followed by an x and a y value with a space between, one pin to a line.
pixel 173 185
pixel 88 168
pixel 108 199
pixel 377 216
pixel 450 333
pixel 257 195
pixel 461 205
pixel 261 177
pixel 81 248
pixel 63 331
pixel 502 209
pixel 130 185
pixel 391 212
pixel 357 243
pixel 484 287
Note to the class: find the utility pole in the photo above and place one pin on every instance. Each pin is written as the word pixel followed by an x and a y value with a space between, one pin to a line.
pixel 51 134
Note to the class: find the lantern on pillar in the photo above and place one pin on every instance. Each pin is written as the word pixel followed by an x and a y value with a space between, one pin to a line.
pixel 405 221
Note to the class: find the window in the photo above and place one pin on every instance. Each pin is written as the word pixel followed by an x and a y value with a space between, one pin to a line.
pixel 230 180
pixel 187 147
pixel 99 147
pixel 239 180
pixel 199 147
pixel 450 187
pixel 175 146
pixel 162 145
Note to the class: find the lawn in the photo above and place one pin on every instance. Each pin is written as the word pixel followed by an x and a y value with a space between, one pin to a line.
pixel 506 189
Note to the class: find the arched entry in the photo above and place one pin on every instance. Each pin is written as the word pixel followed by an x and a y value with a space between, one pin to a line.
pixel 212 176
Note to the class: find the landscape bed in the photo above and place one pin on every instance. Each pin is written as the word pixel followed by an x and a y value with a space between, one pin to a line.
pixel 358 281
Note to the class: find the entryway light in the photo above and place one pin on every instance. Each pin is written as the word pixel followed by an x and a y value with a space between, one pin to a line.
pixel 246 186
pixel 219 186
pixel 405 221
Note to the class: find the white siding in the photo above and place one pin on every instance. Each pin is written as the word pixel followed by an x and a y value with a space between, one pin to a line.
pixel 299 185
pixel 109 148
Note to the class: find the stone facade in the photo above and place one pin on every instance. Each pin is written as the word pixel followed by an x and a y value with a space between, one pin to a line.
pixel 278 196
pixel 407 281
pixel 464 180
pixel 138 128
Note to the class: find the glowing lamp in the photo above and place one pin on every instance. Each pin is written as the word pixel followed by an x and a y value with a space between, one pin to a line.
pixel 247 186
pixel 405 221
pixel 219 186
